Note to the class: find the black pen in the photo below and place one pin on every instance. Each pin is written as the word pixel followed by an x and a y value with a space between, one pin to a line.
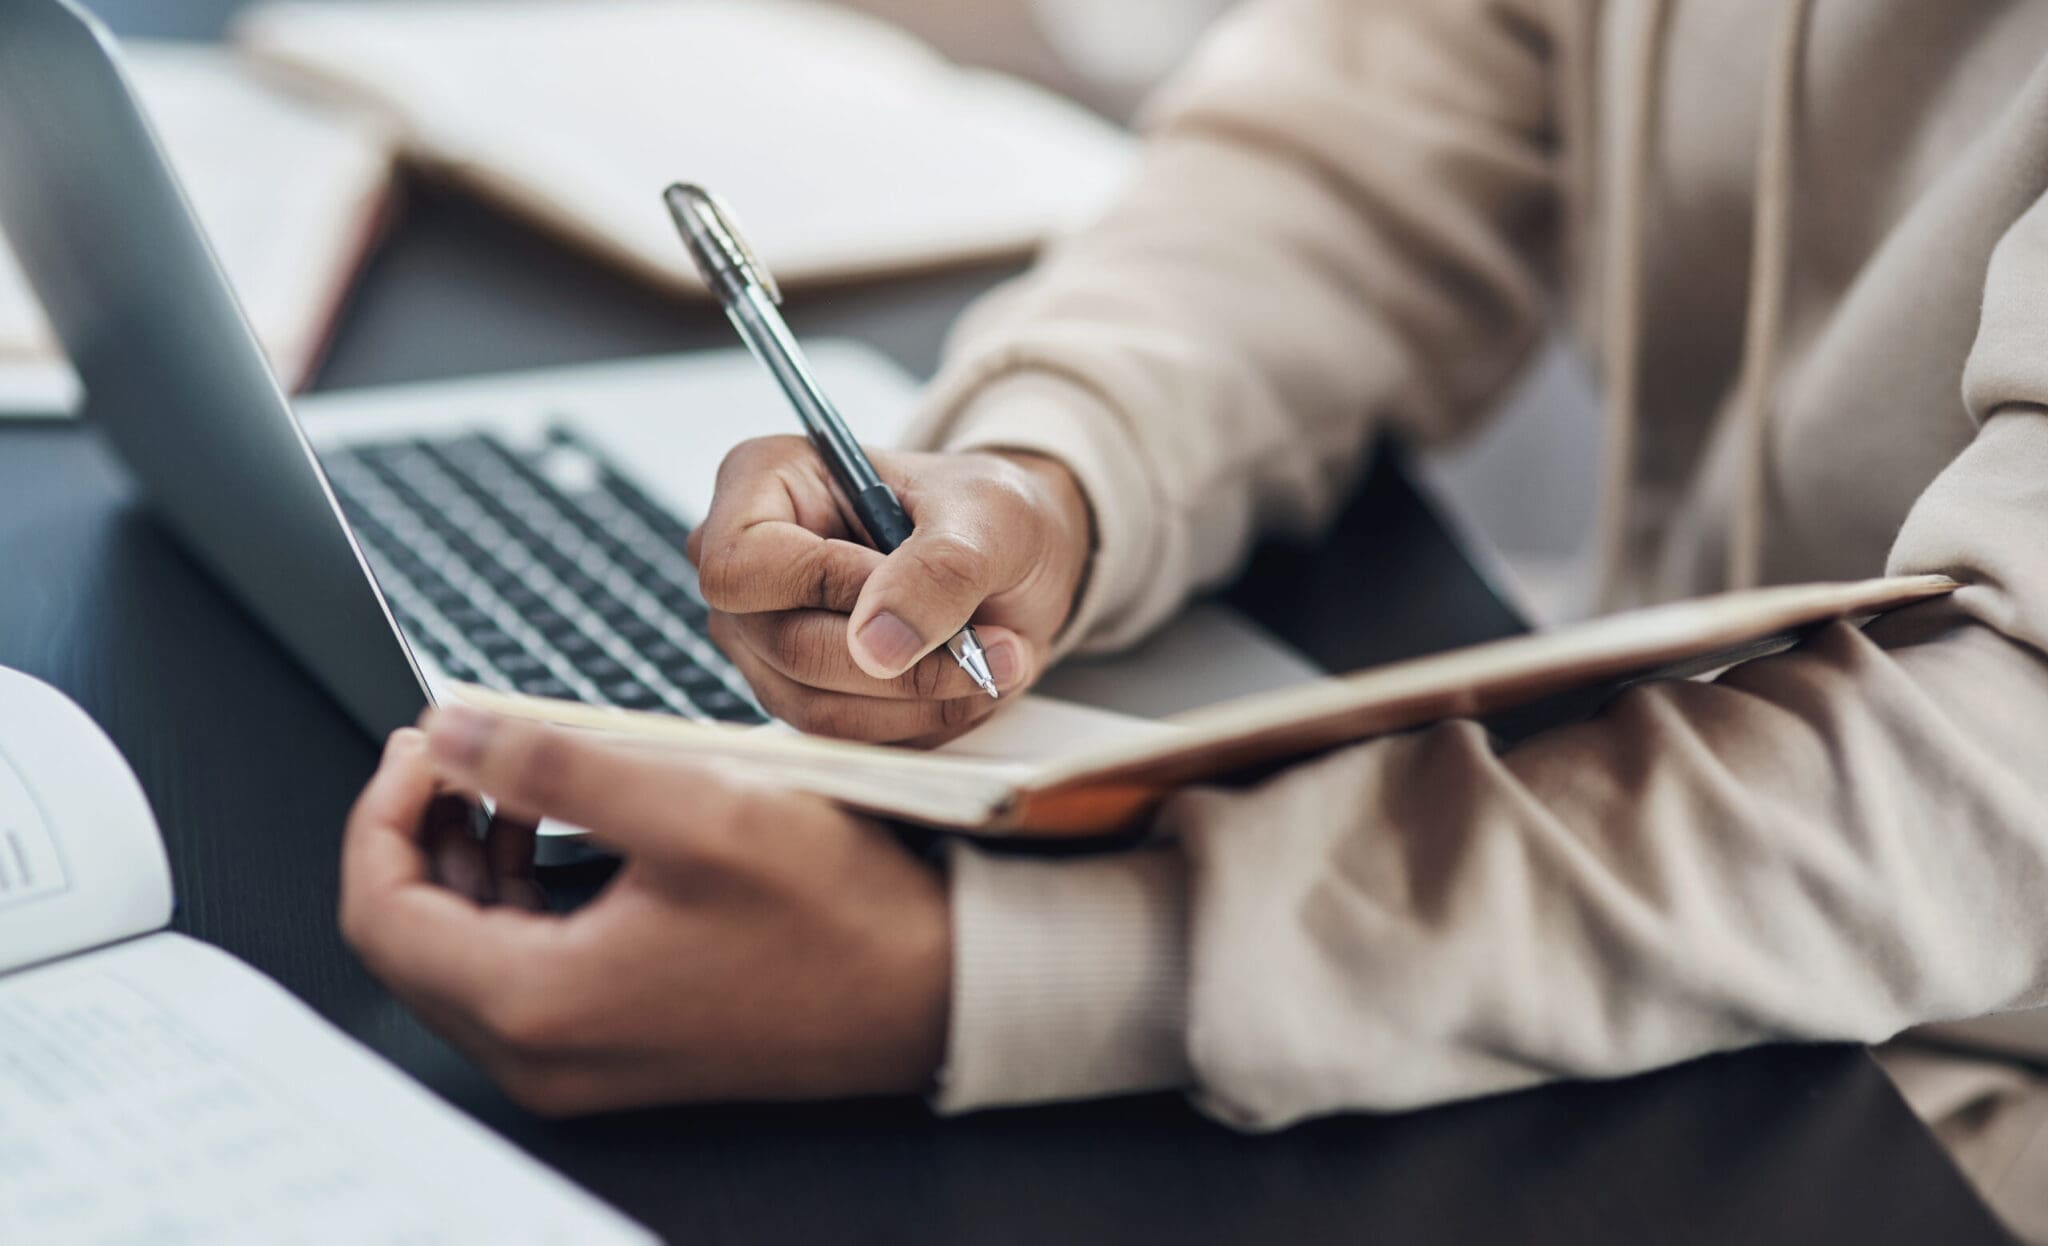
pixel 750 296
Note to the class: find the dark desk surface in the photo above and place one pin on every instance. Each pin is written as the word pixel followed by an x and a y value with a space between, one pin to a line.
pixel 251 768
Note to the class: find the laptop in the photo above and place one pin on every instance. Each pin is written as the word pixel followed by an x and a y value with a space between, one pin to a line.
pixel 524 532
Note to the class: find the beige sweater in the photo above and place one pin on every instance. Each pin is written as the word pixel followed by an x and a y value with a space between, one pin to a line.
pixel 1811 253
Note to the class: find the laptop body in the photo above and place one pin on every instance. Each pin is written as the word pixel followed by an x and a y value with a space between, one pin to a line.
pixel 173 377
pixel 482 531
pixel 523 531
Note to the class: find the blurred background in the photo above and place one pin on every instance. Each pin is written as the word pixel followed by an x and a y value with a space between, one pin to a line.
pixel 1105 54
pixel 1523 490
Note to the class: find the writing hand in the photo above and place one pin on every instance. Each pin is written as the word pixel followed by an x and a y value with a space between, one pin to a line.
pixel 838 640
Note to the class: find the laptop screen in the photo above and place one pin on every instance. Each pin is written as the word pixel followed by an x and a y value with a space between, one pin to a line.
pixel 173 376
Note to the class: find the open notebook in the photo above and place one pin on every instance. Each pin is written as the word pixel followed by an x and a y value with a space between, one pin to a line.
pixel 848 147
pixel 155 1089
pixel 1047 768
pixel 290 194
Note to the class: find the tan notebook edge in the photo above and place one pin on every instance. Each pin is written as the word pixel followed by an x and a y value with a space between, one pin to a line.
pixel 1110 791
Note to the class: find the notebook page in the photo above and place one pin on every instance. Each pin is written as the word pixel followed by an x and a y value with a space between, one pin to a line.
pixel 288 192
pixel 845 146
pixel 1036 730
pixel 162 1091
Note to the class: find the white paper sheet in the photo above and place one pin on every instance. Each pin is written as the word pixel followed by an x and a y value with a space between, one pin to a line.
pixel 160 1091
pixel 1037 729
pixel 80 860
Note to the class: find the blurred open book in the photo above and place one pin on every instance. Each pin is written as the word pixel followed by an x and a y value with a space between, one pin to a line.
pixel 290 194
pixel 848 147
pixel 1046 768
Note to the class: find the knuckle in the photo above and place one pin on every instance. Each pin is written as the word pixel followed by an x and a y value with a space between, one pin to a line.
pixel 958 712
pixel 927 677
pixel 807 718
pixel 780 448
pixel 780 705
pixel 546 1090
pixel 724 632
pixel 1008 487
pixel 527 1021
pixel 950 563
pixel 832 717
pixel 758 456
pixel 846 718
pixel 823 581
pixel 841 573
pixel 789 647
pixel 752 455
pixel 719 571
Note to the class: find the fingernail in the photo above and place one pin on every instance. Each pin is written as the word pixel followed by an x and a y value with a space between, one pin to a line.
pixel 456 735
pixel 1005 662
pixel 890 643
pixel 405 742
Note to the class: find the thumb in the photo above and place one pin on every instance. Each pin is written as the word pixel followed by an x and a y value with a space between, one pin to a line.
pixel 919 597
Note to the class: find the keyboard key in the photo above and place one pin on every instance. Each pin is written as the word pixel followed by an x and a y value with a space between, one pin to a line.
pixel 666 657
pixel 488 542
pixel 577 645
pixel 494 641
pixel 550 622
pixel 602 668
pixel 720 703
pixel 633 695
pixel 465 618
pixel 545 684
pixel 693 679
pixel 521 597
pixel 521 665
pixel 637 632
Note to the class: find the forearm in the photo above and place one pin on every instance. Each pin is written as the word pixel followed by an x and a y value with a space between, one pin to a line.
pixel 1813 849
pixel 1832 844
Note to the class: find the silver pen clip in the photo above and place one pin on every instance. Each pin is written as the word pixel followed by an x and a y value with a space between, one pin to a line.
pixel 724 258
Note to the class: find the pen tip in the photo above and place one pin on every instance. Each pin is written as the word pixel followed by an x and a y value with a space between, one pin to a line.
pixel 973 659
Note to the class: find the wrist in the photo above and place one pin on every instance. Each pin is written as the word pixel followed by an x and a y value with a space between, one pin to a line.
pixel 916 967
pixel 1069 978
pixel 929 966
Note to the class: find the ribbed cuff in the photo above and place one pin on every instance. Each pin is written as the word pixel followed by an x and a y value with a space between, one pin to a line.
pixel 1042 413
pixel 1069 978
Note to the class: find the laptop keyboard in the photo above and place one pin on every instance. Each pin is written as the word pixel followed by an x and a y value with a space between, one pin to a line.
pixel 541 571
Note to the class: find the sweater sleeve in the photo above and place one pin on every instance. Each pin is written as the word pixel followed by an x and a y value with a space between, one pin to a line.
pixel 1835 843
pixel 1333 227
